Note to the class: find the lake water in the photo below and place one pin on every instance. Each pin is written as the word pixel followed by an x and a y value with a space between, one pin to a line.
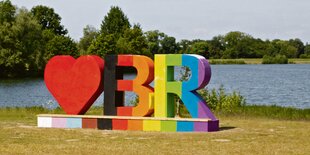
pixel 284 85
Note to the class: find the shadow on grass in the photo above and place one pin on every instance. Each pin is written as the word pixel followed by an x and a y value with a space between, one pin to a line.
pixel 226 128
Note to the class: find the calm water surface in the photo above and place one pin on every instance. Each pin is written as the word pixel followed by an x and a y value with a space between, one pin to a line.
pixel 284 85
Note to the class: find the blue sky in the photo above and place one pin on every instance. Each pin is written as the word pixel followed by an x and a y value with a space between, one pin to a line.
pixel 190 19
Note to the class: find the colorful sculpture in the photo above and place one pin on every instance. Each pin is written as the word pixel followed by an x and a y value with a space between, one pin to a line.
pixel 77 83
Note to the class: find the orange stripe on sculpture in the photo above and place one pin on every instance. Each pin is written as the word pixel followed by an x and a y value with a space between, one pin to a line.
pixel 145 75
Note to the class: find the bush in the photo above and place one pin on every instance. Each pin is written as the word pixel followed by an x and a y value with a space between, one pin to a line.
pixel 305 56
pixel 278 59
pixel 219 100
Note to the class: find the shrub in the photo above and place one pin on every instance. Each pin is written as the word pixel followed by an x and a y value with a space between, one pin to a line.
pixel 219 100
pixel 278 59
pixel 305 56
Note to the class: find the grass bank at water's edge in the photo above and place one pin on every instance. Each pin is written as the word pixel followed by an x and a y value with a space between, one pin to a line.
pixel 269 112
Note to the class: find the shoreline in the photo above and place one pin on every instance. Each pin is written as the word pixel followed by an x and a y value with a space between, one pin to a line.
pixel 253 61
pixel 251 111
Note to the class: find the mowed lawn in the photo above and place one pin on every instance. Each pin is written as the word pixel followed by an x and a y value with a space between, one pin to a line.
pixel 237 136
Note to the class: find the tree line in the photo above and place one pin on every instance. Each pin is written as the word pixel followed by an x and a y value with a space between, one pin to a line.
pixel 28 39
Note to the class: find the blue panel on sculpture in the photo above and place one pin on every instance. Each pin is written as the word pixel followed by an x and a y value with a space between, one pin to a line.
pixel 190 101
pixel 191 62
pixel 183 126
pixel 74 122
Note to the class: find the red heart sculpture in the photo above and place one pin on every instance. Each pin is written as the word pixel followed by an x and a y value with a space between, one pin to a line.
pixel 75 84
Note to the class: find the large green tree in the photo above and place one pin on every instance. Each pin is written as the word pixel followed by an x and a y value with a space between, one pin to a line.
pixel 26 45
pixel 282 47
pixel 183 45
pixel 60 45
pixel 21 45
pixel 54 34
pixel 200 48
pixel 307 49
pixel 160 43
pixel 216 47
pixel 7 11
pixel 117 36
pixel 299 45
pixel 132 42
pixel 49 19
pixel 115 22
pixel 306 52
pixel 103 44
pixel 89 34
pixel 169 45
pixel 153 40
pixel 238 45
pixel 113 26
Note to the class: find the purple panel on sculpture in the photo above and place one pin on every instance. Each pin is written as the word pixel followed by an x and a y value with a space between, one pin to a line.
pixel 213 125
pixel 204 111
pixel 204 71
pixel 200 126
pixel 58 122
pixel 208 72
pixel 201 111
pixel 201 71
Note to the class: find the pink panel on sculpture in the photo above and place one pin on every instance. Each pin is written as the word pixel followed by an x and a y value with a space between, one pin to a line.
pixel 75 84
pixel 58 122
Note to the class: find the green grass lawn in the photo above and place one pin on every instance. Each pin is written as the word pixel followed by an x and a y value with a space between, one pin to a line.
pixel 239 134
